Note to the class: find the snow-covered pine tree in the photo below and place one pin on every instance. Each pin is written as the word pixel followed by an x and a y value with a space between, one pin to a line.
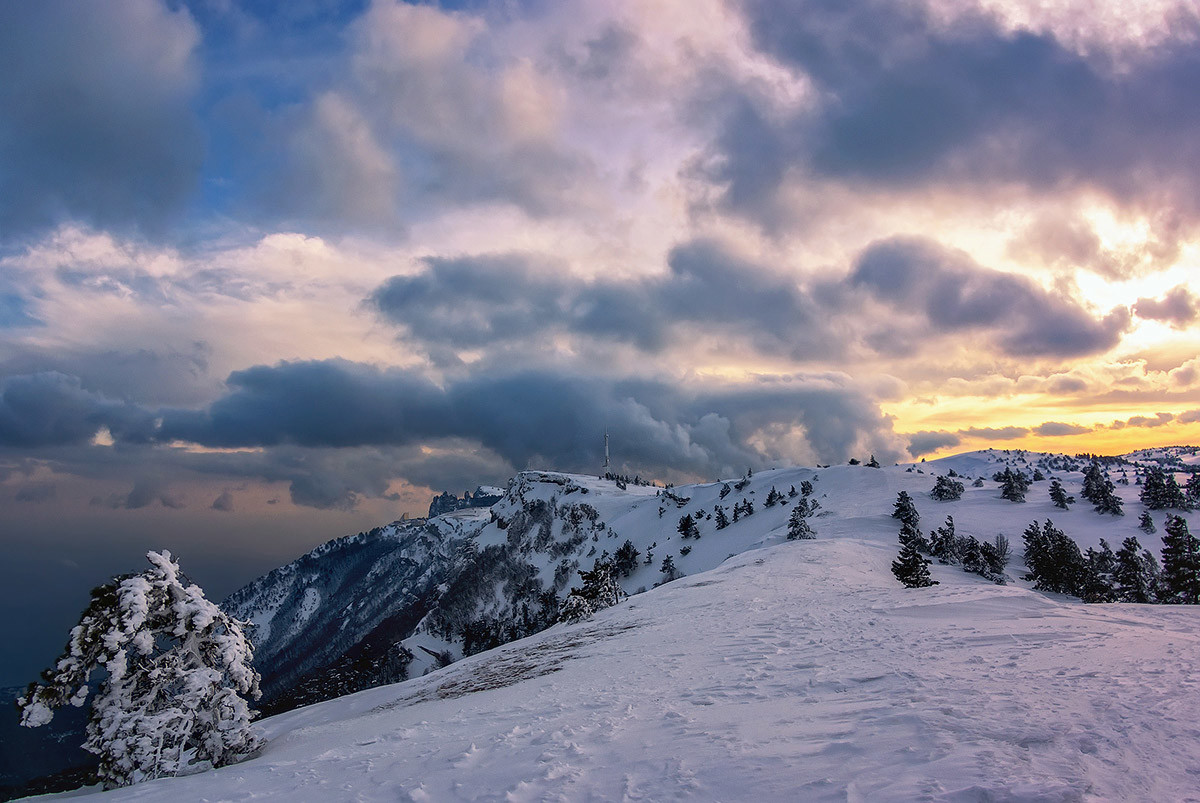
pixel 598 590
pixel 625 561
pixel 798 529
pixel 947 490
pixel 943 542
pixel 906 511
pixel 1180 562
pixel 173 671
pixel 1059 496
pixel 1013 485
pixel 910 567
pixel 722 519
pixel 1146 524
pixel 687 526
pixel 669 571
pixel 1134 576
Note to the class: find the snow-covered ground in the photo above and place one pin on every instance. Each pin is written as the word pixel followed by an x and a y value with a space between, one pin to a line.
pixel 796 671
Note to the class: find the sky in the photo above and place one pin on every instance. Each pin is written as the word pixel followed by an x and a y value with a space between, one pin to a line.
pixel 275 273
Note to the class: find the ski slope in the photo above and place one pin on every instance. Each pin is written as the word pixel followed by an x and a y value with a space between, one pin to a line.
pixel 792 671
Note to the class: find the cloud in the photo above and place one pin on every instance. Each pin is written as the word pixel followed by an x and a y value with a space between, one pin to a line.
pixel 1159 419
pixel 1188 417
pixel 145 492
pixel 1177 307
pixel 995 433
pixel 927 441
pixel 954 293
pixel 37 492
pixel 1058 428
pixel 224 502
pixel 97 121
pixel 53 409
pixel 901 99
pixel 484 300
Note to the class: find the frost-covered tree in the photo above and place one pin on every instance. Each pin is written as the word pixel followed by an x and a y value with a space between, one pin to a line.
pixel 1135 573
pixel 910 567
pixel 625 561
pixel 598 590
pixel 1192 489
pixel 773 498
pixel 170 673
pixel 1161 491
pixel 872 463
pixel 1059 496
pixel 1146 524
pixel 947 490
pixel 1180 562
pixel 943 542
pixel 798 529
pixel 687 527
pixel 669 571
pixel 722 519
pixel 806 487
pixel 906 511
pixel 1013 485
pixel 725 490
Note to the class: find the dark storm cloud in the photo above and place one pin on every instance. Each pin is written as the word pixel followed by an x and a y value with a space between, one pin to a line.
pixel 954 293
pixel 904 101
pixel 145 492
pixel 52 409
pixel 927 441
pixel 467 302
pixel 1057 428
pixel 529 417
pixel 95 122
pixel 1177 307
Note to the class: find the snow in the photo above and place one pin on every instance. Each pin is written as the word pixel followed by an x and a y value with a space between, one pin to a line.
pixel 789 671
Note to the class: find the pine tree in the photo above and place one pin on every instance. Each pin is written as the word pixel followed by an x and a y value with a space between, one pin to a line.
pixel 792 492
pixel 625 561
pixel 773 497
pixel 725 490
pixel 798 528
pixel 947 490
pixel 1193 490
pixel 1146 524
pixel 1108 501
pixel 172 672
pixel 806 487
pixel 1014 485
pixel 943 543
pixel 906 511
pixel 722 519
pixel 669 572
pixel 872 463
pixel 1058 495
pixel 1054 560
pixel 1180 562
pixel 687 527
pixel 1133 575
pixel 910 567
pixel 1093 483
pixel 1161 491
pixel 1097 583
pixel 598 590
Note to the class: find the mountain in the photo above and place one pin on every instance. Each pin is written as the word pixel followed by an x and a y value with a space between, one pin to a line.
pixel 407 599
pixel 771 670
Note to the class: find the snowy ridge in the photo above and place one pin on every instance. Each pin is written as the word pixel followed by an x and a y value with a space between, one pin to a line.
pixel 772 669
pixel 797 672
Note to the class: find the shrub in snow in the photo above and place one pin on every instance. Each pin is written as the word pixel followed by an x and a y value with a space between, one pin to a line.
pixel 599 590
pixel 173 671
pixel 910 567
pixel 947 490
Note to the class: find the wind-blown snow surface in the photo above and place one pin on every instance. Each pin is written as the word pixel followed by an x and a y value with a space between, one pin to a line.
pixel 800 671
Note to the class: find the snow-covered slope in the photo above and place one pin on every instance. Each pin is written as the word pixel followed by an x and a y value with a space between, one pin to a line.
pixel 798 672
pixel 406 598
